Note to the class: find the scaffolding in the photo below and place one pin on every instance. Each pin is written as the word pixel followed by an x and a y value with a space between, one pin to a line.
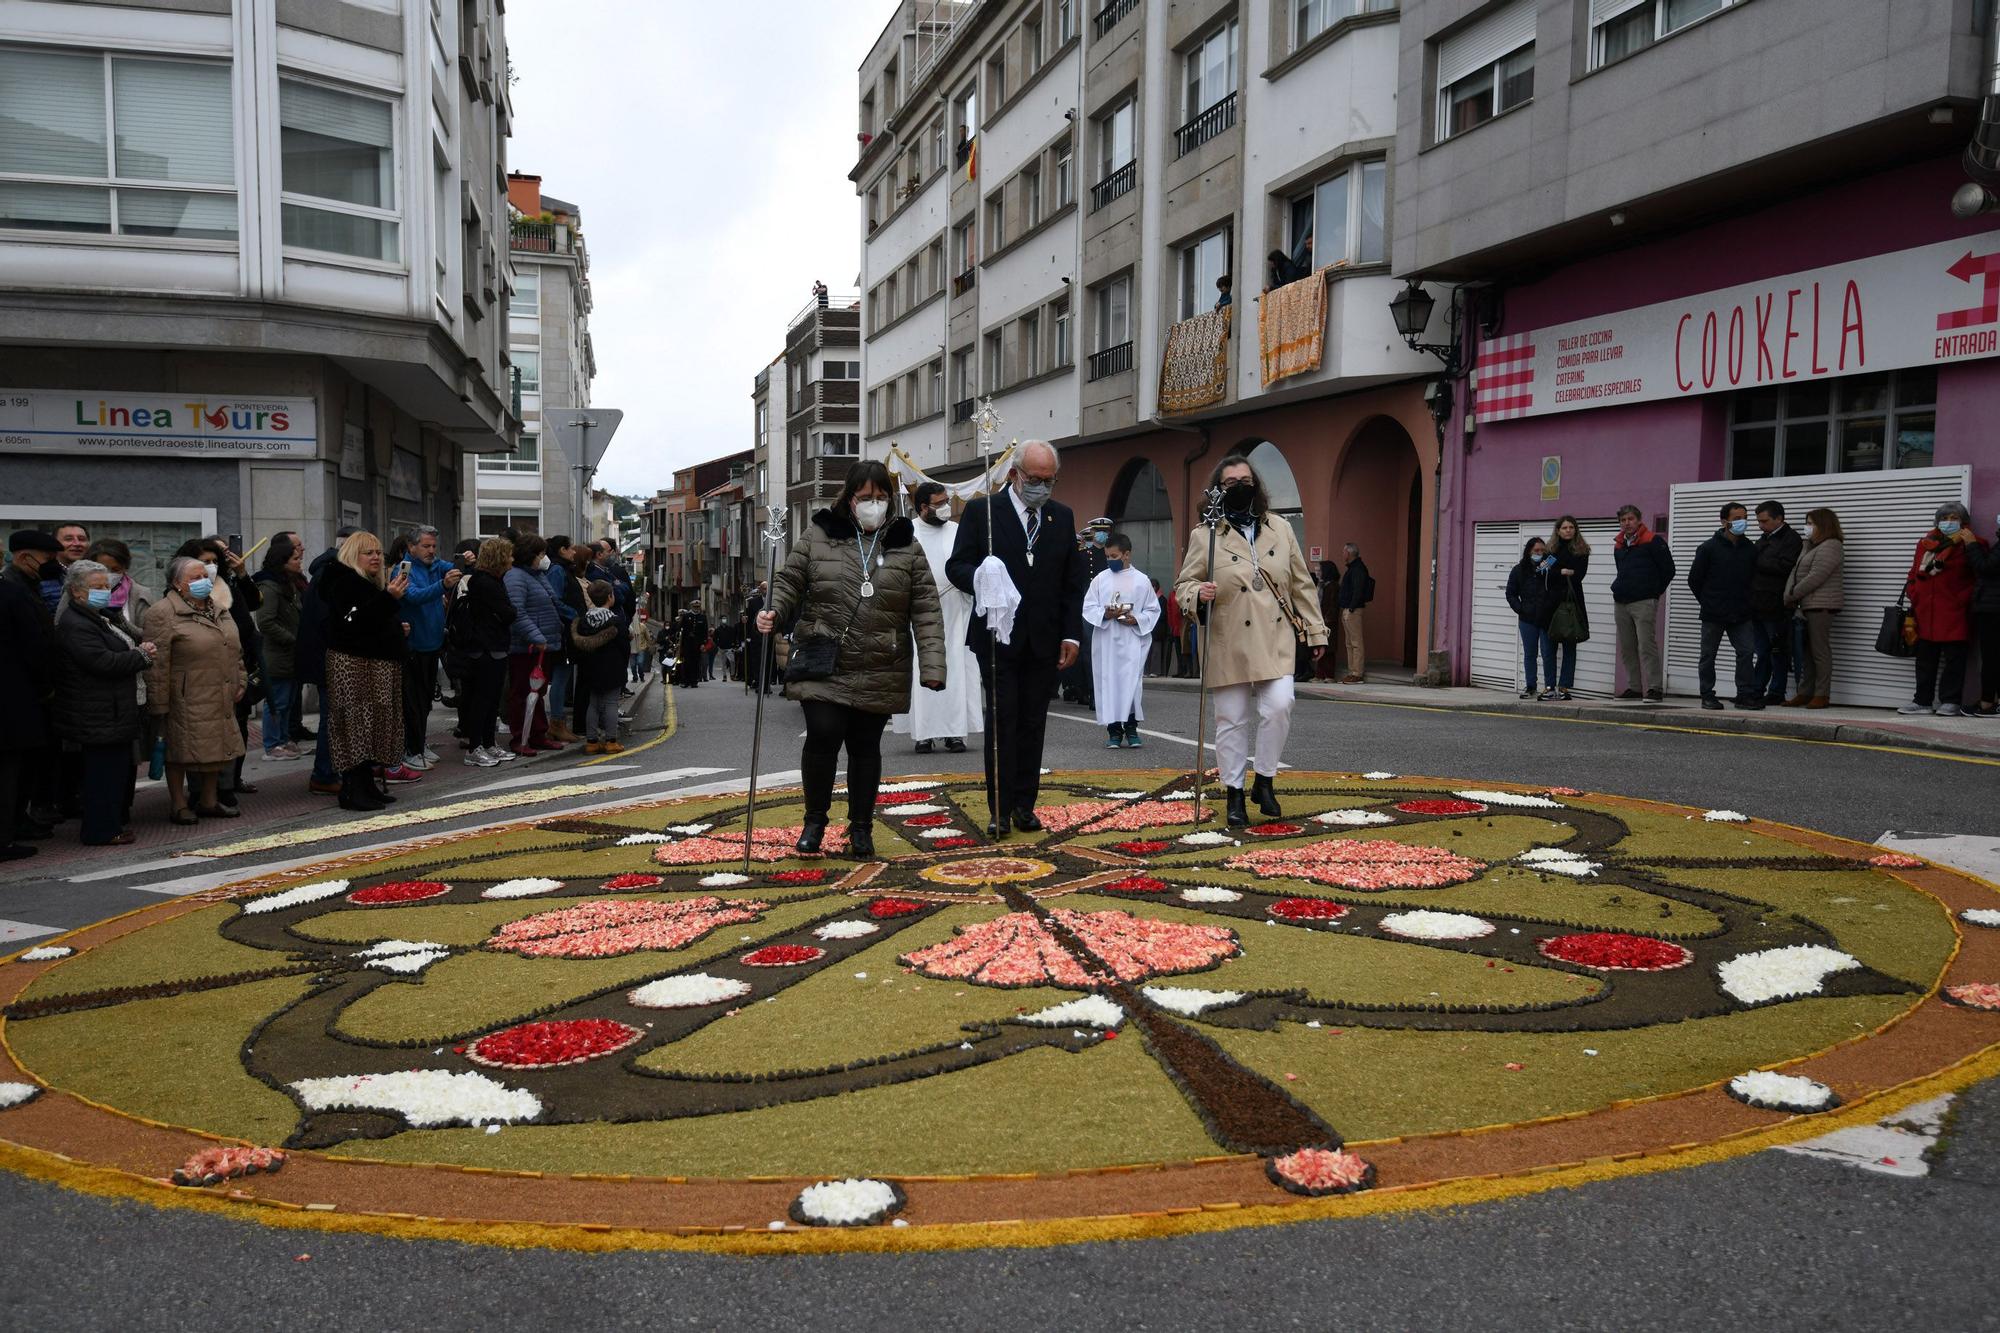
pixel 934 25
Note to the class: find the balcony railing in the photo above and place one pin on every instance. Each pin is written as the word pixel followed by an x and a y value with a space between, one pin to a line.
pixel 1107 17
pixel 1118 183
pixel 545 238
pixel 1205 126
pixel 961 411
pixel 1111 361
pixel 962 284
pixel 835 310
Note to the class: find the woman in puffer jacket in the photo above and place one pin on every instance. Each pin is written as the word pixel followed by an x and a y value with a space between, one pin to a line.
pixel 99 698
pixel 861 579
pixel 1814 591
pixel 537 638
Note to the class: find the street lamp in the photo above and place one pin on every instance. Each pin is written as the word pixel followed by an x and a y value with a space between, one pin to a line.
pixel 1411 309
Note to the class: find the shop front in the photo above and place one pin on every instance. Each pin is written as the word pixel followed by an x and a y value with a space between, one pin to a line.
pixel 1840 351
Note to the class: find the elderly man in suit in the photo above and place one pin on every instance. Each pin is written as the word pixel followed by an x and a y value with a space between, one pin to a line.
pixel 1034 538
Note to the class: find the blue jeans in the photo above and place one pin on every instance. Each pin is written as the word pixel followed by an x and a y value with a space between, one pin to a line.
pixel 558 696
pixel 277 712
pixel 1743 640
pixel 1773 643
pixel 1535 647
pixel 323 748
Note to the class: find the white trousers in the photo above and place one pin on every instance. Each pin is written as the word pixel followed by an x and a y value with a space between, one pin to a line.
pixel 1271 701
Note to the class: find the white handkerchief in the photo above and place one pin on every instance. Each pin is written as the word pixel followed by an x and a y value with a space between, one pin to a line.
pixel 995 597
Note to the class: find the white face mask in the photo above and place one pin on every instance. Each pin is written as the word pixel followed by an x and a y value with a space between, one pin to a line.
pixel 210 569
pixel 1811 532
pixel 870 514
pixel 541 562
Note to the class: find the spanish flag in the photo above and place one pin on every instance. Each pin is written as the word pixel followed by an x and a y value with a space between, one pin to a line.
pixel 972 160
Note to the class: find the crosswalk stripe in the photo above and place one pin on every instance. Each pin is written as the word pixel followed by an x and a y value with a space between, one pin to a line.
pixel 24 930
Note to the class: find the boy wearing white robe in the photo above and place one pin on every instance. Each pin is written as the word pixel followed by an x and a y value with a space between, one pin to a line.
pixel 953 713
pixel 1122 609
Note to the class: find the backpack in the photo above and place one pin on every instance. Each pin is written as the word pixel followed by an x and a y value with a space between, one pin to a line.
pixel 1367 589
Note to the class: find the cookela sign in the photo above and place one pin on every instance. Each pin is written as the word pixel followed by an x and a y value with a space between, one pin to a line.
pixel 166 425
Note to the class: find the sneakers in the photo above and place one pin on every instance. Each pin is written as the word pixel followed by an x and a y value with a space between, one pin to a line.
pixel 479 759
pixel 1656 695
pixel 1950 710
pixel 1547 696
pixel 495 752
pixel 401 773
pixel 280 753
pixel 1912 708
pixel 430 755
pixel 417 762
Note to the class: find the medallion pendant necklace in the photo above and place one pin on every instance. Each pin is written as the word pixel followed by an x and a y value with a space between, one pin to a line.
pixel 867 556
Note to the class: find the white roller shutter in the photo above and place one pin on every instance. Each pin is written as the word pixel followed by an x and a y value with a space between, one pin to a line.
pixel 1601 10
pixel 1483 41
pixel 1883 514
pixel 1496 642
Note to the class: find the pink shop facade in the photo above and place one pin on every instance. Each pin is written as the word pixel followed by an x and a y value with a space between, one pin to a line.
pixel 1841 349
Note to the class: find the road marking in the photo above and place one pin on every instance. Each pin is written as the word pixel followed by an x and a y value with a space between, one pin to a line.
pixel 1895 1146
pixel 1143 731
pixel 670 724
pixel 24 930
pixel 129 868
pixel 1973 853
pixel 527 780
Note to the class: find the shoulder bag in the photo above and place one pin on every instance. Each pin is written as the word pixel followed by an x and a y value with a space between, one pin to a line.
pixel 1567 624
pixel 817 656
pixel 1898 635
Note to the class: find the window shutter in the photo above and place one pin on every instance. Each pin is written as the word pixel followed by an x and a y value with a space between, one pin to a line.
pixel 335 115
pixel 1602 11
pixel 51 114
pixel 1484 41
pixel 173 121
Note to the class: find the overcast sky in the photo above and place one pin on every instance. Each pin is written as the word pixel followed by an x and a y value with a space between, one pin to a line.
pixel 708 147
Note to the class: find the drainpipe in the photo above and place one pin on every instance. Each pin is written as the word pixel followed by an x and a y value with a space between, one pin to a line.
pixel 1981 194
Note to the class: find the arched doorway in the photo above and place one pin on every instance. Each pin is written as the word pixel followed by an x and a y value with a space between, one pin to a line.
pixel 1141 510
pixel 1378 505
pixel 1280 485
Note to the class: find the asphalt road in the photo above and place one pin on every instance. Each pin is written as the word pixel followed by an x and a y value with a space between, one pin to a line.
pixel 1772 1240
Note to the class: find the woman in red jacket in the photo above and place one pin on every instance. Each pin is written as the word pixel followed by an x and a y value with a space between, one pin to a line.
pixel 1940 587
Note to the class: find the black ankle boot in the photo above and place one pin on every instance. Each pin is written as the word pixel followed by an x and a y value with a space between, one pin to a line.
pixel 1238 816
pixel 1264 792
pixel 357 792
pixel 809 836
pixel 861 841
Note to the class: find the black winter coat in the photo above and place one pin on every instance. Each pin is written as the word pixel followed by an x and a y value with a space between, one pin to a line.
pixel 1353 594
pixel 361 619
pixel 1529 594
pixel 1721 577
pixel 1562 586
pixel 489 613
pixel 1984 557
pixel 309 654
pixel 27 667
pixel 1644 571
pixel 97 690
pixel 1777 551
pixel 602 658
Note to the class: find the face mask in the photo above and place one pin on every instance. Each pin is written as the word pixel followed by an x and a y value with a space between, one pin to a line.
pixel 1737 525
pixel 1115 564
pixel 541 562
pixel 200 589
pixel 99 598
pixel 211 570
pixel 870 514
pixel 935 516
pixel 1035 494
pixel 1811 532
pixel 1238 496
pixel 116 579
pixel 1948 526
pixel 1100 537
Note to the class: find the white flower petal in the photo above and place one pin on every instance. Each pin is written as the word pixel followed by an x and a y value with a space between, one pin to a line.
pixel 304 893
pixel 1210 893
pixel 847 1202
pixel 423 1097
pixel 1091 1009
pixel 918 809
pixel 1354 818
pixel 724 880
pixel 387 947
pixel 1378 776
pixel 939 833
pixel 1190 1000
pixel 407 963
pixel 1509 798
pixel 1726 817
pixel 846 930
pixel 1436 925
pixel 1978 916
pixel 1123 795
pixel 635 839
pixel 689 830
pixel 1788 1092
pixel 907 786
pixel 690 991
pixel 1779 974
pixel 522 888
pixel 46 953
pixel 1208 840
pixel 17 1094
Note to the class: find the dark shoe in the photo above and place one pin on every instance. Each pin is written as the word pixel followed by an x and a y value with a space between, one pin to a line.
pixel 246 789
pixel 318 788
pixel 955 745
pixel 1774 701
pixel 17 851
pixel 810 834
pixel 1629 694
pixel 861 841
pixel 1564 696
pixel 1546 696
pixel 1656 695
pixel 304 734
pixel 1711 703
pixel 1025 821
pixel 923 747
pixel 1750 705
pixel 218 812
pixel 123 838
pixel 359 800
pixel 1264 792
pixel 34 831
pixel 998 829
pixel 1239 815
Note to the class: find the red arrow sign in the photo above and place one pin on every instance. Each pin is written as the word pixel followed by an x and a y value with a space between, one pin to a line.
pixel 1987 269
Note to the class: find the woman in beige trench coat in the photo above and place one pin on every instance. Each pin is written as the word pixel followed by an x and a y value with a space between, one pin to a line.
pixel 193 685
pixel 1261 603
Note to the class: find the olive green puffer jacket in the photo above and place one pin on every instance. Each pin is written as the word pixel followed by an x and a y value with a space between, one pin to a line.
pixel 821 583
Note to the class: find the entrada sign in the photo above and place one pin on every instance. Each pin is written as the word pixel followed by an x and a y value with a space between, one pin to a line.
pixel 1933 304
pixel 168 425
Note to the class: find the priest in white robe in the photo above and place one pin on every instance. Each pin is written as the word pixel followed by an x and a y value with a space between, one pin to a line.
pixel 950 714
pixel 1122 609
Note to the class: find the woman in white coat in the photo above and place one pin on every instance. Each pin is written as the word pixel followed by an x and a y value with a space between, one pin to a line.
pixel 1122 609
pixel 1260 605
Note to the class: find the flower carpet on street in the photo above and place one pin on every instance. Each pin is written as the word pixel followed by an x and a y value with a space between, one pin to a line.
pixel 614 1029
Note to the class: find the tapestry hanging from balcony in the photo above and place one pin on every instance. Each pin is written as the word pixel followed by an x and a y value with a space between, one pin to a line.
pixel 1194 371
pixel 1291 327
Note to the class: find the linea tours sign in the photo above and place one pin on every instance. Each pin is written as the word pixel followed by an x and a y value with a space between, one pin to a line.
pixel 1925 306
pixel 162 425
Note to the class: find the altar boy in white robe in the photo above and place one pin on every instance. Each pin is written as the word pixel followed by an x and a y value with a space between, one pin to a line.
pixel 1122 608
pixel 953 713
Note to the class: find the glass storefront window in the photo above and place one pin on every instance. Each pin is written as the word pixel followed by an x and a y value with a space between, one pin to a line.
pixel 1862 423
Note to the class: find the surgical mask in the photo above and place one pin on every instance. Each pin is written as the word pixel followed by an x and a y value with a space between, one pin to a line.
pixel 99 598
pixel 200 589
pixel 211 570
pixel 541 562
pixel 1035 494
pixel 1115 564
pixel 116 579
pixel 936 515
pixel 1100 537
pixel 1738 525
pixel 870 514
pixel 1947 526
pixel 1238 496
pixel 1812 532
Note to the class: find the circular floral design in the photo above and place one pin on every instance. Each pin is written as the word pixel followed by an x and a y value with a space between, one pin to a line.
pixel 549 1044
pixel 1307 909
pixel 398 892
pixel 884 909
pixel 633 881
pixel 983 870
pixel 1974 994
pixel 1436 926
pixel 1316 1171
pixel 1369 866
pixel 1612 951
pixel 782 955
pixel 1441 805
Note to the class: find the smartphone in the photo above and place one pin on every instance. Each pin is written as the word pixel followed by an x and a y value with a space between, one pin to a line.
pixel 236 543
pixel 402 569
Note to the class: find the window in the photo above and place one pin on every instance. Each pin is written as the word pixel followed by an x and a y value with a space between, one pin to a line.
pixel 1202 262
pixel 527 457
pixel 938 148
pixel 1211 70
pixel 968 111
pixel 1342 218
pixel 1859 423
pixel 961 374
pixel 1316 16
pixel 526 301
pixel 868 113
pixel 1114 138
pixel 840 370
pixel 1065 21
pixel 937 274
pixel 493 522
pixel 964 247
pixel 1031 43
pixel 1114 313
pixel 1618 28
pixel 1031 193
pixel 1030 355
pixel 992 361
pixel 841 444
pixel 996 81
pixel 937 385
pixel 996 222
pixel 529 363
pixel 444 214
pixel 1485 68
pixel 115 145
pixel 339 171
pixel 1065 175
pixel 1065 349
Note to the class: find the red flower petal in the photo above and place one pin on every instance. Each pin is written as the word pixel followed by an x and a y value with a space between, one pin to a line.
pixel 884 908
pixel 634 881
pixel 1139 848
pixel 1610 951
pixel 799 877
pixel 928 821
pixel 1307 909
pixel 782 955
pixel 954 844
pixel 1138 884
pixel 398 892
pixel 1440 806
pixel 544 1045
pixel 1276 830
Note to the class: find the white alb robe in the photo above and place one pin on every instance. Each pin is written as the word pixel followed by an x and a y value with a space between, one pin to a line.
pixel 953 711
pixel 1117 650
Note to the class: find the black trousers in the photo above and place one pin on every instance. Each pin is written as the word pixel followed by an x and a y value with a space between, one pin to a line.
pixel 420 680
pixel 487 684
pixel 1986 625
pixel 108 776
pixel 1941 671
pixel 1017 720
pixel 829 727
pixel 13 796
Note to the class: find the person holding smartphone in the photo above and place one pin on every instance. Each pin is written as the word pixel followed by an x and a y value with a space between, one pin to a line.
pixel 423 615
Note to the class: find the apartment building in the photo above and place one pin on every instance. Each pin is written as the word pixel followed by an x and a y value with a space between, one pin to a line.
pixel 1054 197
pixel 253 265
pixel 821 402
pixel 1701 250
pixel 533 487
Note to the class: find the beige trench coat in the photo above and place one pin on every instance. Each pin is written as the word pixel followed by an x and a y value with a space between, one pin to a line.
pixel 197 670
pixel 1248 638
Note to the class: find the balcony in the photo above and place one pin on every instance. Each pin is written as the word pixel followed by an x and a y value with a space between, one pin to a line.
pixel 836 312
pixel 1117 184
pixel 1205 126
pixel 962 284
pixel 1111 361
pixel 1107 18
pixel 833 401
pixel 546 238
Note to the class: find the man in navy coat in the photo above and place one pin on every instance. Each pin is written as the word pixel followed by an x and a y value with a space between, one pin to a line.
pixel 1034 537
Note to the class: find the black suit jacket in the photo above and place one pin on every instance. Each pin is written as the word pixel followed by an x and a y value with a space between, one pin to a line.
pixel 1051 589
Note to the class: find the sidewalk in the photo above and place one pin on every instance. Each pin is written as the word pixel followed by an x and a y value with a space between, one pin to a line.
pixel 1853 726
